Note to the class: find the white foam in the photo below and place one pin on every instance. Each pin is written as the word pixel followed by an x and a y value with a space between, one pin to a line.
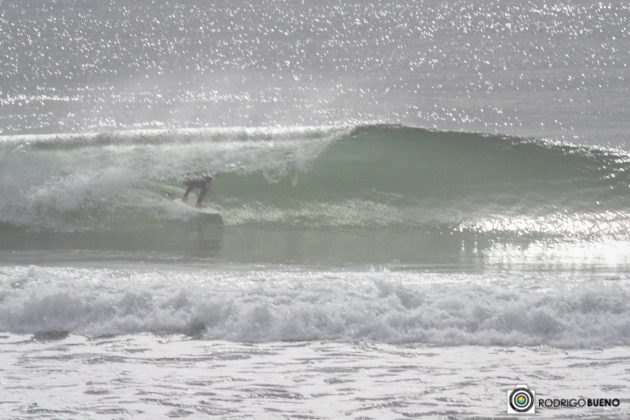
pixel 64 182
pixel 272 305
pixel 155 376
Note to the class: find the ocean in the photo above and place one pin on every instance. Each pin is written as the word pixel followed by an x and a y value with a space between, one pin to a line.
pixel 423 205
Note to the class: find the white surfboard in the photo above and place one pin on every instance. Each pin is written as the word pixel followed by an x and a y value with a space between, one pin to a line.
pixel 206 214
pixel 174 194
pixel 201 210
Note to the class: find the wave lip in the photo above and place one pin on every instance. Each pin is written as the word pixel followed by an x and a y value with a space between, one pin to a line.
pixel 263 306
pixel 175 135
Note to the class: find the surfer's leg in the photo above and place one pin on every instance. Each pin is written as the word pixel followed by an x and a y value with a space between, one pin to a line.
pixel 202 193
pixel 188 190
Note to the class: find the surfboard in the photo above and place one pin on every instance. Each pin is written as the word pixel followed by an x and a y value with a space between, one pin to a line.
pixel 201 210
pixel 174 194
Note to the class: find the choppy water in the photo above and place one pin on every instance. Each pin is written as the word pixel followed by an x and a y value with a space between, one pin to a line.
pixel 266 343
pixel 144 376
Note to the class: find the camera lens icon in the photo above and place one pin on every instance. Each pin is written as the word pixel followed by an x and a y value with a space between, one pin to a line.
pixel 520 400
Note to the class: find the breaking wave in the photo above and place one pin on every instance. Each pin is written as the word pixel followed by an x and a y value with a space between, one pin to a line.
pixel 389 177
pixel 262 306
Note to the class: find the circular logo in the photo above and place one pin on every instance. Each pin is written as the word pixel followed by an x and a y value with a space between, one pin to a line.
pixel 521 400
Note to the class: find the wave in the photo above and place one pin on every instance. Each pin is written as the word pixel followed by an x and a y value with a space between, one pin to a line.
pixel 265 305
pixel 379 176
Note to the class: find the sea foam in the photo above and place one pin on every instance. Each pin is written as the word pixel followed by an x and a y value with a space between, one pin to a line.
pixel 295 305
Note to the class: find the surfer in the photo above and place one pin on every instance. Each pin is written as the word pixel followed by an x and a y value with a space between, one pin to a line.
pixel 203 183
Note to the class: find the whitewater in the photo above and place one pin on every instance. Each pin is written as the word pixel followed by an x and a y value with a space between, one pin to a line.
pixel 423 204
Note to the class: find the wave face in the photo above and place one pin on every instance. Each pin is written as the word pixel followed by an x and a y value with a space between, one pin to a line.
pixel 392 180
pixel 266 305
